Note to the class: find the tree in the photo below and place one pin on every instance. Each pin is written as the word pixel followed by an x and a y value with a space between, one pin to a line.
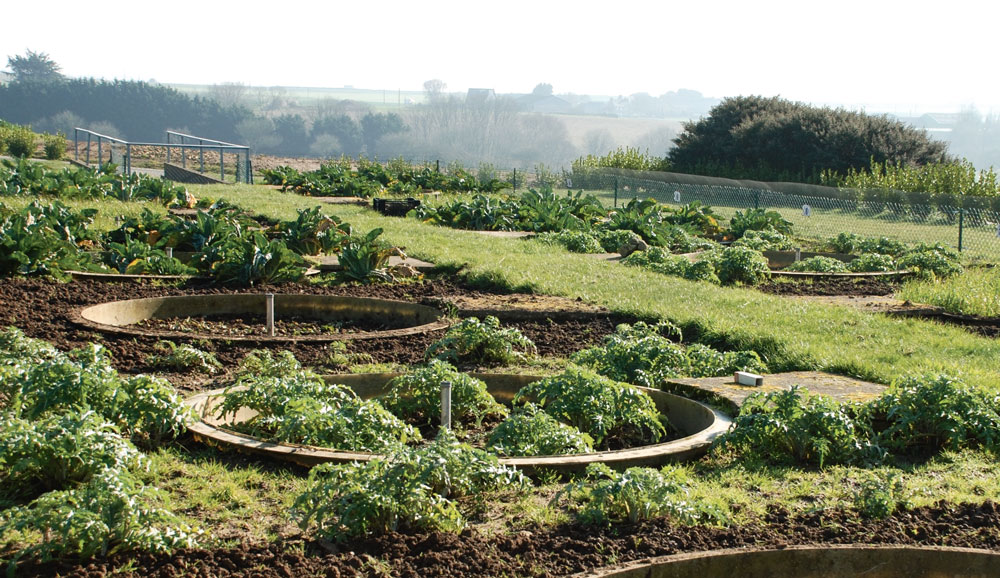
pixel 228 94
pixel 344 129
pixel 772 139
pixel 376 126
pixel 434 89
pixel 34 67
pixel 542 89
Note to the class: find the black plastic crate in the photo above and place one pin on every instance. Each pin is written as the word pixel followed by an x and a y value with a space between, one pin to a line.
pixel 395 207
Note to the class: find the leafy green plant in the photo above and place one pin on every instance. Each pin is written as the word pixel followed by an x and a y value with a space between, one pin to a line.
pixel 144 406
pixel 58 450
pixel 637 494
pixel 138 258
pixel 573 241
pixel 758 220
pixel 879 494
pixel 919 415
pixel 818 264
pixel 255 259
pixel 54 146
pixel 529 431
pixel 21 141
pixel 614 414
pixel 297 406
pixel 184 357
pixel 931 261
pixel 109 513
pixel 872 262
pixel 855 244
pixel 660 261
pixel 742 266
pixel 796 428
pixel 365 258
pixel 313 233
pixel 644 354
pixel 416 396
pixel 764 240
pixel 472 340
pixel 413 488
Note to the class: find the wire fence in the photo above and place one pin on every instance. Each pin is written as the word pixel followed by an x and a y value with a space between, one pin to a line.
pixel 974 230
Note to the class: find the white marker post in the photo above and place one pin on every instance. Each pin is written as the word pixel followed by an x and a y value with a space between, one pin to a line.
pixel 677 196
pixel 170 252
pixel 806 210
pixel 446 404
pixel 269 300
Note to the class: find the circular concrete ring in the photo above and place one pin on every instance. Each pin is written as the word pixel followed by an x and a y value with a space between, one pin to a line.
pixel 831 561
pixel 120 316
pixel 699 423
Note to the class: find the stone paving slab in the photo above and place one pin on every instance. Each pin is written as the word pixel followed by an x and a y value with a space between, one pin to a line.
pixel 729 394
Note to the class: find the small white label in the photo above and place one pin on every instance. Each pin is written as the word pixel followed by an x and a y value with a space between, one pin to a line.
pixel 806 210
pixel 569 183
pixel 677 196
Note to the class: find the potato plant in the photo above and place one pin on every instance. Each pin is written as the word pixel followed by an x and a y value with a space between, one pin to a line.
pixel 475 341
pixel 416 396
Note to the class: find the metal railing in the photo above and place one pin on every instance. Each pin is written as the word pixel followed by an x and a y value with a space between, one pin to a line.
pixel 120 152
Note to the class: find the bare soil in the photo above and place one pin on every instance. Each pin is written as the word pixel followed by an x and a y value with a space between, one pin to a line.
pixel 558 327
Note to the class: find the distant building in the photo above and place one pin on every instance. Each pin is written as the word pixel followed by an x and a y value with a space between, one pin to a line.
pixel 480 95
pixel 544 103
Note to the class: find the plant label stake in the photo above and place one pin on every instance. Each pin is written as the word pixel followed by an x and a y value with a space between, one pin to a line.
pixel 806 210
pixel 798 255
pixel 170 252
pixel 446 404
pixel 269 299
pixel 677 196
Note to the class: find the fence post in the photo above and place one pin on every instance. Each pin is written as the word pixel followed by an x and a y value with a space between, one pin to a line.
pixel 514 180
pixel 222 165
pixel 756 198
pixel 961 223
pixel 616 191
pixel 128 159
pixel 437 166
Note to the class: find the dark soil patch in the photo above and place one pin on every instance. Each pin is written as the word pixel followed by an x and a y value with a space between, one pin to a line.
pixel 852 286
pixel 41 308
pixel 237 325
pixel 549 552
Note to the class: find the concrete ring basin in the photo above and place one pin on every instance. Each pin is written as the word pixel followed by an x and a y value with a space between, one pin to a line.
pixel 403 318
pixel 698 423
pixel 832 561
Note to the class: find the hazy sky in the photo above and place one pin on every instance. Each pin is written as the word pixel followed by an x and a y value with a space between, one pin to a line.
pixel 883 56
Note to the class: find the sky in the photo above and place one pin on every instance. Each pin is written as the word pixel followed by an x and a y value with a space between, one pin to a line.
pixel 900 57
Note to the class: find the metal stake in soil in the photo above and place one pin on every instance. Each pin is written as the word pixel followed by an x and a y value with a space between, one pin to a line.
pixel 446 404
pixel 269 298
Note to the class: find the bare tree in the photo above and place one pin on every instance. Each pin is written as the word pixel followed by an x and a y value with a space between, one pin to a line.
pixel 228 94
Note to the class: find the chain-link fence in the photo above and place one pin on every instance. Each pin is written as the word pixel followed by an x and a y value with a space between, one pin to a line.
pixel 819 212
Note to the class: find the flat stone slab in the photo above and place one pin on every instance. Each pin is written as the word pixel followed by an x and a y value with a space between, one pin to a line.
pixel 327 263
pixel 730 394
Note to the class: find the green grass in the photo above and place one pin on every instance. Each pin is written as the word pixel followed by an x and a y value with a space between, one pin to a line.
pixel 791 335
pixel 975 292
